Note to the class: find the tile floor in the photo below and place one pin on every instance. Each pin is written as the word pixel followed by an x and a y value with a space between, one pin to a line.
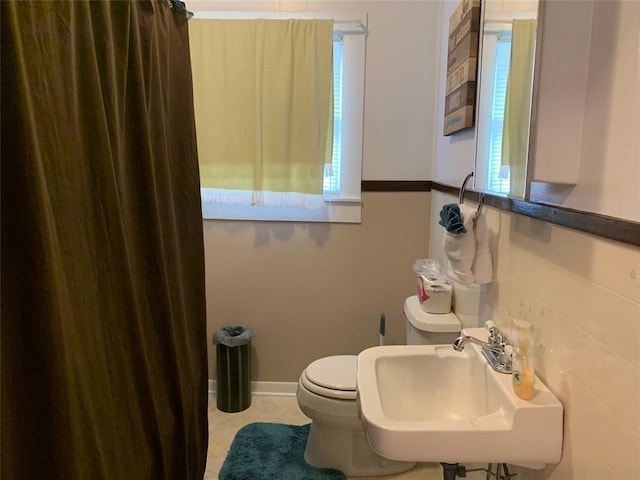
pixel 282 409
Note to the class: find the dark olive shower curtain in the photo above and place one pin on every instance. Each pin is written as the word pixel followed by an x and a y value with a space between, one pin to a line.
pixel 104 372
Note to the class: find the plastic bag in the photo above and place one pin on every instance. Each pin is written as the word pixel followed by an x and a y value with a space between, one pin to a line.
pixel 429 279
pixel 427 267
pixel 233 336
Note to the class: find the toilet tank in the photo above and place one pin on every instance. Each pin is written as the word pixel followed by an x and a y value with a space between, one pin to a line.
pixel 429 328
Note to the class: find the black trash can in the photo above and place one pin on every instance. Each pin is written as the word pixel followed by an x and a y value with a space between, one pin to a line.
pixel 233 368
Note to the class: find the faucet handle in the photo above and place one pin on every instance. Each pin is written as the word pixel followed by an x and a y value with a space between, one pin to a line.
pixel 508 352
pixel 494 334
pixel 507 356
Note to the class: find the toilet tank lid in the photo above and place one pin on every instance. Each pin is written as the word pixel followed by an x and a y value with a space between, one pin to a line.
pixel 430 322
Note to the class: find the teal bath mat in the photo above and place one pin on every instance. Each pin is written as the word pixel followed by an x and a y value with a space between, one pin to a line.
pixel 272 451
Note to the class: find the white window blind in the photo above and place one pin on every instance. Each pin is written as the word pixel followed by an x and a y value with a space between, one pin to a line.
pixel 499 175
pixel 331 184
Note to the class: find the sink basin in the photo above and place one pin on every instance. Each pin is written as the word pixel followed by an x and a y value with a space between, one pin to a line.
pixel 429 403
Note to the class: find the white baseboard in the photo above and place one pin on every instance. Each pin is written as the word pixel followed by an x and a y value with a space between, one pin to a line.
pixel 283 389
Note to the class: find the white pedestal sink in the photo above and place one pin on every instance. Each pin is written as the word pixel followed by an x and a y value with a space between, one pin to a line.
pixel 429 403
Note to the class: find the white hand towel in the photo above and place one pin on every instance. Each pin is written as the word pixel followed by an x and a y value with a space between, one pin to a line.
pixel 461 249
pixel 482 264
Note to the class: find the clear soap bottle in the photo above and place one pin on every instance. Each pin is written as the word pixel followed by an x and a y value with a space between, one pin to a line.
pixel 523 375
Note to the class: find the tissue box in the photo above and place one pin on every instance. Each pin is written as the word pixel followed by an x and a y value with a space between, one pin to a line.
pixel 434 294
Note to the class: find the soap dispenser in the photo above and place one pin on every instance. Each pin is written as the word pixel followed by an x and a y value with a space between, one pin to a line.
pixel 523 375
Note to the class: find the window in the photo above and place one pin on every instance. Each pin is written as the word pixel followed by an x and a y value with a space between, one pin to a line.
pixel 499 174
pixel 342 178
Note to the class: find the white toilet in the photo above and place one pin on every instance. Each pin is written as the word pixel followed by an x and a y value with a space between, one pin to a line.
pixel 327 395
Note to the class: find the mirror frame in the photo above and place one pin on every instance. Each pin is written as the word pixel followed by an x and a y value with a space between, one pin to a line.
pixel 537 61
pixel 533 107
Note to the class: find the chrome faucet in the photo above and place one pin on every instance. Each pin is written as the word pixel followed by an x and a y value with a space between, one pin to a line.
pixel 461 341
pixel 496 351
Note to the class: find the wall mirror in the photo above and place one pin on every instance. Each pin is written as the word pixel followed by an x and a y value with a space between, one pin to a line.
pixel 558 114
pixel 509 30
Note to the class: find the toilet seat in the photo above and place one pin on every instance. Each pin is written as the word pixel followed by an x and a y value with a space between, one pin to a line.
pixel 332 377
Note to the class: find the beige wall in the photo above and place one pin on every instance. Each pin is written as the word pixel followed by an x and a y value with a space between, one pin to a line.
pixel 312 290
pixel 582 294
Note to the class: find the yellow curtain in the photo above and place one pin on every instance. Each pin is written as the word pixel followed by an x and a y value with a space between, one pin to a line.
pixel 515 139
pixel 263 95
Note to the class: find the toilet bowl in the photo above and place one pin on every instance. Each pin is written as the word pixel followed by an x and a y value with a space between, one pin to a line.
pixel 327 395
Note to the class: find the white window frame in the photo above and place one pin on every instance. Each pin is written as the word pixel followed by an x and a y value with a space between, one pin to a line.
pixel 347 206
pixel 487 173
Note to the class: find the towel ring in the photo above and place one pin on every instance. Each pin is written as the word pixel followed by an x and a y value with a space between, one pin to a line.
pixel 464 185
pixel 461 195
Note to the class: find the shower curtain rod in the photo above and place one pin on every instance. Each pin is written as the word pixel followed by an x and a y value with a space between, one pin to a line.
pixel 350 27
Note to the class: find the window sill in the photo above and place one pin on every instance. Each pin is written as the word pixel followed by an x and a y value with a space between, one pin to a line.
pixel 336 210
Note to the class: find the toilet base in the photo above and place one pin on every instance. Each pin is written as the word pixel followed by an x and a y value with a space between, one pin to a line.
pixel 346 448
